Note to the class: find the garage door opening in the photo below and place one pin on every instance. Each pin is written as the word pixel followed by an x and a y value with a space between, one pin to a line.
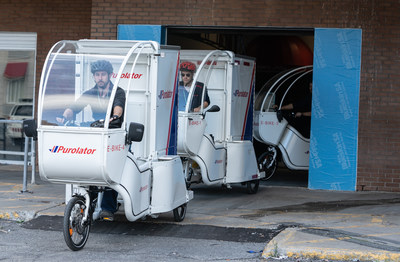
pixel 276 51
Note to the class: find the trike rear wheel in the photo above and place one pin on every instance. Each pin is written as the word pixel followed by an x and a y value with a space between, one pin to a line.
pixel 180 212
pixel 75 232
pixel 252 186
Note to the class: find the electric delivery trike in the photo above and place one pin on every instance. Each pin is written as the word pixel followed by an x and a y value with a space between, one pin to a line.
pixel 135 156
pixel 272 125
pixel 215 142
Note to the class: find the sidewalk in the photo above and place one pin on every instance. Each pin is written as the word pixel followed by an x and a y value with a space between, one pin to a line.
pixel 41 198
pixel 315 224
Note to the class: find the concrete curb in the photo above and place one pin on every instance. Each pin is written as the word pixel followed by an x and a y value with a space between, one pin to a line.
pixel 293 243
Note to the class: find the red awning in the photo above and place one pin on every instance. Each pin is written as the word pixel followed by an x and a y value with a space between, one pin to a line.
pixel 15 70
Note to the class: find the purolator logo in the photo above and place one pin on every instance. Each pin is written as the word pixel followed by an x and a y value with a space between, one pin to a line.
pixel 240 93
pixel 72 150
pixel 165 94
pixel 128 75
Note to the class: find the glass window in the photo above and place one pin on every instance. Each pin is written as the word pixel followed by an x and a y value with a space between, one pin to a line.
pixel 24 110
pixel 17 69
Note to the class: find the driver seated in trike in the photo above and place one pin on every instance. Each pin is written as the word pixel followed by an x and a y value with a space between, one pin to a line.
pixel 97 99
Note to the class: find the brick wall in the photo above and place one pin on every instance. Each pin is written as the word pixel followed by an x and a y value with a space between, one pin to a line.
pixel 52 20
pixel 379 138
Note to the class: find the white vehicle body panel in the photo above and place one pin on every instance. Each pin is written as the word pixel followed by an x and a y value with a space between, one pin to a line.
pixel 220 142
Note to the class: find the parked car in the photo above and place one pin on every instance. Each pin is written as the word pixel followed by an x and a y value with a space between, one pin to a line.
pixel 20 111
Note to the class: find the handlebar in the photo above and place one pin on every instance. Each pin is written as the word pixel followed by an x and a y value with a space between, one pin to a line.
pixel 115 123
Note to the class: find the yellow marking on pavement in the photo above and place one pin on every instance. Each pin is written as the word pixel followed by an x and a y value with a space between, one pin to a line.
pixel 6 184
pixel 7 215
pixel 288 235
pixel 347 255
pixel 386 234
pixel 36 197
pixel 17 187
pixel 369 235
pixel 327 216
pixel 11 199
pixel 245 225
pixel 344 238
pixel 17 207
pixel 313 241
pixel 377 220
pixel 204 218
pixel 61 213
pixel 356 226
pixel 266 223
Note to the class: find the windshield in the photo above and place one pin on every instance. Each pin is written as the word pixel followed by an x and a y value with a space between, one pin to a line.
pixel 76 88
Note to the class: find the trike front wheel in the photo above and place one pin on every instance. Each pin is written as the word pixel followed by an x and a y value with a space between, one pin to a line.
pixel 267 162
pixel 75 231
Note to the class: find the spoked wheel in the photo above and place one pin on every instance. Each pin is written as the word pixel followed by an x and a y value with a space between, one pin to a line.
pixel 180 212
pixel 75 233
pixel 252 186
pixel 267 162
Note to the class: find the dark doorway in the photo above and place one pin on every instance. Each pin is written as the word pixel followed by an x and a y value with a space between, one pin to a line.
pixel 275 49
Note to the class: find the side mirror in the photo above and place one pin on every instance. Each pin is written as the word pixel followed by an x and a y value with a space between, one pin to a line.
pixel 279 115
pixel 214 108
pixel 30 128
pixel 135 132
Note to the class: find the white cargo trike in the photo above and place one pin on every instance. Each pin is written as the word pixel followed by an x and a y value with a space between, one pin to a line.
pixel 215 138
pixel 272 127
pixel 135 155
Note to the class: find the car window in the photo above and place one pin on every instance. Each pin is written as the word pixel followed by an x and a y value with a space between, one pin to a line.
pixel 24 111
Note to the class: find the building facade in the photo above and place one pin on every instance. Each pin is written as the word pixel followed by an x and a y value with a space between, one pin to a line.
pixel 378 165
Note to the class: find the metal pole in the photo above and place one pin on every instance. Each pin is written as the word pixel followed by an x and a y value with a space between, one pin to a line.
pixel 4 136
pixel 4 139
pixel 33 160
pixel 25 164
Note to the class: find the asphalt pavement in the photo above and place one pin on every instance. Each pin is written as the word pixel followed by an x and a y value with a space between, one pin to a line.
pixel 317 224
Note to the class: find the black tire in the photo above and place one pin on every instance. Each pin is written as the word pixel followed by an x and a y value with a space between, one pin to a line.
pixel 267 162
pixel 75 234
pixel 252 186
pixel 180 213
pixel 189 177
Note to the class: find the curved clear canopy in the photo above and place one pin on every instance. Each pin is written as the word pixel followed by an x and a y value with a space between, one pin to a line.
pixel 79 83
pixel 277 87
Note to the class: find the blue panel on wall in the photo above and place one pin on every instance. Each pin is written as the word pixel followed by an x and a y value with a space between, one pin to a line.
pixel 142 32
pixel 335 102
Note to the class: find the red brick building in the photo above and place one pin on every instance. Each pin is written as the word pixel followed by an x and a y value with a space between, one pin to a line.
pixel 378 167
